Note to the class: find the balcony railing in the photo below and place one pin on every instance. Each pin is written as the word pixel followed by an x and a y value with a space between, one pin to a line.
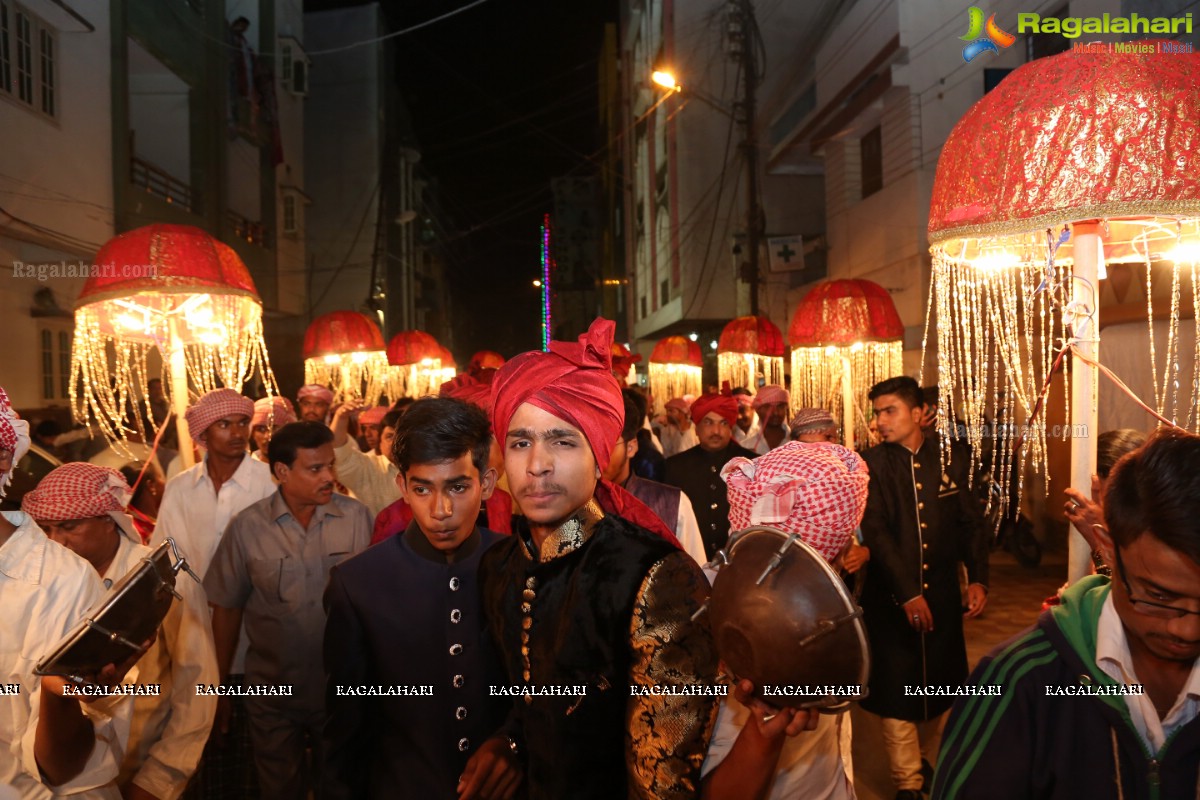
pixel 160 183
pixel 247 230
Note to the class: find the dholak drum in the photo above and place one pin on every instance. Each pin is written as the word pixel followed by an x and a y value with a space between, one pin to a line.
pixel 121 621
pixel 784 619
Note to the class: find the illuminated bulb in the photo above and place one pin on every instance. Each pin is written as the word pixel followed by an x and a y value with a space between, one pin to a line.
pixel 693 336
pixel 831 350
pixel 128 321
pixel 994 260
pixel 1187 251
pixel 857 347
pixel 537 284
pixel 213 336
pixel 332 359
pixel 713 344
pixel 665 79
pixel 200 317
pixel 670 369
pixel 426 362
pixel 359 357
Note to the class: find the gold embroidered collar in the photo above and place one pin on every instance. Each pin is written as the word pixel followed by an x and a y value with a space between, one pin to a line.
pixel 570 536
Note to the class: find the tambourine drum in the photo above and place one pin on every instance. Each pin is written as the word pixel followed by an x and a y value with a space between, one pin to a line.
pixel 782 617
pixel 124 618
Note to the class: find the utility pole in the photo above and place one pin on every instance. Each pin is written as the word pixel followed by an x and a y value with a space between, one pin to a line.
pixel 743 47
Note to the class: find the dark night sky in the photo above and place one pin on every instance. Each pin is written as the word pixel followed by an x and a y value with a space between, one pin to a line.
pixel 504 97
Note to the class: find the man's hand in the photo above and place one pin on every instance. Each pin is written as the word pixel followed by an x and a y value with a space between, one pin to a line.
pixel 224 719
pixel 855 557
pixel 772 722
pixel 109 676
pixel 918 614
pixel 977 596
pixel 340 424
pixel 492 773
pixel 1083 513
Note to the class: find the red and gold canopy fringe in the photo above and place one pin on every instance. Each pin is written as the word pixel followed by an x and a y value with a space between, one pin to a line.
pixel 344 351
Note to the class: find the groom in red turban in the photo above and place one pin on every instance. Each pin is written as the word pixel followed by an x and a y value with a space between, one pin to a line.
pixel 591 595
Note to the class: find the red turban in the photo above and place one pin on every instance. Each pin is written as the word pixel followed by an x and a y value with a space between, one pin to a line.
pixel 473 388
pixel 215 405
pixel 574 382
pixel 723 404
pixel 817 490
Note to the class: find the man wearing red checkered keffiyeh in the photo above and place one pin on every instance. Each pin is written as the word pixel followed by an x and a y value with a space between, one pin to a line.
pixel 819 491
pixel 47 745
pixel 82 507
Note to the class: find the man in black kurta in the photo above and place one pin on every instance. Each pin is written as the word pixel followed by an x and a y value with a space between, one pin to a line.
pixel 697 471
pixel 590 600
pixel 408 661
pixel 921 522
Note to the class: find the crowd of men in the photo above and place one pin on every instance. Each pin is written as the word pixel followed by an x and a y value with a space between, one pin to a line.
pixel 500 592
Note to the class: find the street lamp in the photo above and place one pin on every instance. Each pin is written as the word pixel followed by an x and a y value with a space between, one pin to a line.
pixel 666 80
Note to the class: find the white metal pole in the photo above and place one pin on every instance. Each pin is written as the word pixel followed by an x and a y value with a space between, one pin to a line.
pixel 847 404
pixel 179 392
pixel 1085 381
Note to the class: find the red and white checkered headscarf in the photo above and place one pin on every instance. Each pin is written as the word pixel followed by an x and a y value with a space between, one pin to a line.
pixel 817 490
pixel 321 393
pixel 373 415
pixel 79 491
pixel 14 436
pixel 215 405
pixel 770 394
pixel 683 404
pixel 283 413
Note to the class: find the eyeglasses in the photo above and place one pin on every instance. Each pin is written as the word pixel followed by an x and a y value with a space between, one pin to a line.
pixel 1148 607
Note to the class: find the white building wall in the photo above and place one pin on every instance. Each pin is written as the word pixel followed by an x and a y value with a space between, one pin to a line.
pixel 56 195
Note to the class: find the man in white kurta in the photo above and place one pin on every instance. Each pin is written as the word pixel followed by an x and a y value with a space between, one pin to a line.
pixel 44 590
pixel 81 506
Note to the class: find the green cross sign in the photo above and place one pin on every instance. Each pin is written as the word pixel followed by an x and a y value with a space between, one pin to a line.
pixel 786 254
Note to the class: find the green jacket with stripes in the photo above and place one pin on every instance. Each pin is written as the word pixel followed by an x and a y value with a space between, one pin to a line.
pixel 1047 732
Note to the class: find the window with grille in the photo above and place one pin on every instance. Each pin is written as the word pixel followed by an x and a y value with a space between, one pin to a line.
pixel 28 59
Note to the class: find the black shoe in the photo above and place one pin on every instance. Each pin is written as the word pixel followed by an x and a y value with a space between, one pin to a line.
pixel 926 777
pixel 908 794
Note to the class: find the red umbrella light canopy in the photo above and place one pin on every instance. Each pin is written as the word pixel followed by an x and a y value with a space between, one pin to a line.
pixel 677 350
pixel 412 347
pixel 843 312
pixel 340 332
pixel 1076 136
pixel 173 290
pixel 755 335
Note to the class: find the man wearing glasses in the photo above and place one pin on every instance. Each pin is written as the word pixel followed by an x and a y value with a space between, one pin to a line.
pixel 697 471
pixel 1100 698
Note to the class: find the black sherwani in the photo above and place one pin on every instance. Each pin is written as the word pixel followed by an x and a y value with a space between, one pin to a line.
pixel 698 473
pixel 605 605
pixel 921 522
pixel 400 614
